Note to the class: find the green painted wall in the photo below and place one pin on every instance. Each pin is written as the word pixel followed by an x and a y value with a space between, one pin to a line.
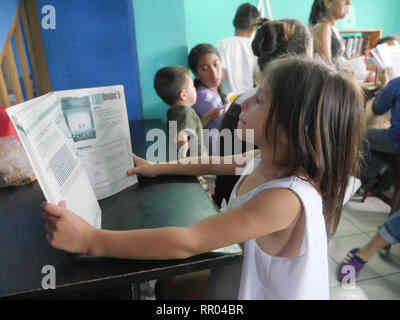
pixel 167 30
pixel 295 9
pixel 369 14
pixel 161 41
pixel 378 14
pixel 211 20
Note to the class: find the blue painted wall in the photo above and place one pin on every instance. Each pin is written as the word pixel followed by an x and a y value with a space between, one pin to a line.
pixel 7 13
pixel 93 45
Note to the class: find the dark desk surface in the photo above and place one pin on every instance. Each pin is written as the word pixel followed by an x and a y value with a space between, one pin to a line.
pixel 152 203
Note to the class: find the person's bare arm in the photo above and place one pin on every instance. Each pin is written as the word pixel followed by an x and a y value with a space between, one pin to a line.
pixel 194 166
pixel 322 37
pixel 267 212
pixel 211 115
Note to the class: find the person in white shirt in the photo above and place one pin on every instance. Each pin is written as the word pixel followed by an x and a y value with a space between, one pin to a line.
pixel 237 57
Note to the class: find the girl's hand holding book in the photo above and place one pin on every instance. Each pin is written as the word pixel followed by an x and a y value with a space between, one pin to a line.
pixel 66 230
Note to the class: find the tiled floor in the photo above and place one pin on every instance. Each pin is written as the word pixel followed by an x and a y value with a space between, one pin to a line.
pixel 380 278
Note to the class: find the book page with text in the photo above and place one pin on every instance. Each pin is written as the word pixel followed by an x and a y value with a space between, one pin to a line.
pixel 98 121
pixel 49 145
pixel 395 56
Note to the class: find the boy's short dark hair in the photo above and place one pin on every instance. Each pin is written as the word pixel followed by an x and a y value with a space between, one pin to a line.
pixel 245 16
pixel 169 81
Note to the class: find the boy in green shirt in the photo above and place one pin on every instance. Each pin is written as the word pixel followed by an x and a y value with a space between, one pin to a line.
pixel 174 85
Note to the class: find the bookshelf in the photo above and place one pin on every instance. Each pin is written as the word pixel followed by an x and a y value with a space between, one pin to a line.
pixel 357 41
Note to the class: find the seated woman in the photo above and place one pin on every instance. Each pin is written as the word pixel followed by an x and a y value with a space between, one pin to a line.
pixel 205 63
pixel 373 120
pixel 323 18
pixel 380 168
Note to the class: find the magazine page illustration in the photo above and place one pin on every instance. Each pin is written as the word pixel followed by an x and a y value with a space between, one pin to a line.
pixel 98 122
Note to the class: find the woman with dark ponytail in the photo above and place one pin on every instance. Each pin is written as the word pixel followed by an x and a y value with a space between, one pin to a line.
pixel 323 18
pixel 275 38
pixel 318 11
pixel 272 40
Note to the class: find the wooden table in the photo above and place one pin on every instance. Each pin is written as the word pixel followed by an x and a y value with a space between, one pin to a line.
pixel 152 203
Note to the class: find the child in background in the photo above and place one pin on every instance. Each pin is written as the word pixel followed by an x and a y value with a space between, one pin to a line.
pixel 237 58
pixel 288 196
pixel 389 40
pixel 205 63
pixel 383 144
pixel 175 87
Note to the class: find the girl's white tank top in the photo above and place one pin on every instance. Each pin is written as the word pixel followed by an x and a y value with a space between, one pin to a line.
pixel 269 277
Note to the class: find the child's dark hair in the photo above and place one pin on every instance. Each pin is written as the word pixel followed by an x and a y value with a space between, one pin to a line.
pixel 388 38
pixel 278 37
pixel 169 81
pixel 318 12
pixel 321 111
pixel 193 59
pixel 245 15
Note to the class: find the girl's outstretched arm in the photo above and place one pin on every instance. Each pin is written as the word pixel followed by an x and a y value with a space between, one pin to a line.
pixel 267 212
pixel 193 166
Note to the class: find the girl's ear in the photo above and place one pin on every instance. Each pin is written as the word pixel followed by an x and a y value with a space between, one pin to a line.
pixel 283 136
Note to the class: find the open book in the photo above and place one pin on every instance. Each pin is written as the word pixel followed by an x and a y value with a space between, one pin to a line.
pixel 358 67
pixel 386 57
pixel 78 143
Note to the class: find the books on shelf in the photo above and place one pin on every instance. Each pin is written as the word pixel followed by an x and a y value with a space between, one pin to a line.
pixel 355 46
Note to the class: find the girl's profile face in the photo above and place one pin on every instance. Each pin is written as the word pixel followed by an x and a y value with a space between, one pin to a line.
pixel 254 115
pixel 209 71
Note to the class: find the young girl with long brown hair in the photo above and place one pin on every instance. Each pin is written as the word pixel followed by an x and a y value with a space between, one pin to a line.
pixel 307 120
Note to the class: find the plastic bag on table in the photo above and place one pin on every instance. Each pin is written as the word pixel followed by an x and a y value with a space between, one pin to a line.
pixel 15 169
